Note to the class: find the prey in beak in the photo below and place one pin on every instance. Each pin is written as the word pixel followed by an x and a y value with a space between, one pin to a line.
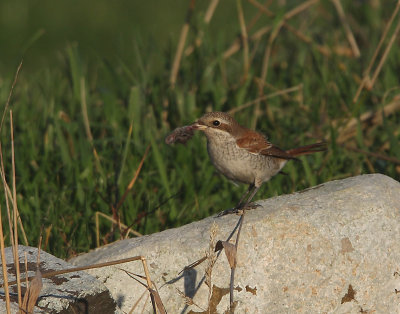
pixel 183 134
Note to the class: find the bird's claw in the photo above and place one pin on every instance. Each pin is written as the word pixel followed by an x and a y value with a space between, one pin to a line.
pixel 239 210
pixel 250 206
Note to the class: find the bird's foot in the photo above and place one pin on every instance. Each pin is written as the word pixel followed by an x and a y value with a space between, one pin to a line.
pixel 250 206
pixel 238 210
pixel 235 210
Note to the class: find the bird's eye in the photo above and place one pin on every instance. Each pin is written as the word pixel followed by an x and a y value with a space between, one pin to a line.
pixel 216 123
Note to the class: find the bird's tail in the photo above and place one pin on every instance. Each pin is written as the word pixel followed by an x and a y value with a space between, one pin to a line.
pixel 308 149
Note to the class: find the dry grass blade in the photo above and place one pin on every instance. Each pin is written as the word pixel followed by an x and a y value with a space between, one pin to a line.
pixel 347 29
pixel 4 267
pixel 15 214
pixel 194 264
pixel 231 252
pixel 264 71
pixel 133 276
pixel 210 11
pixel 243 31
pixel 207 18
pixel 7 195
pixel 135 176
pixel 2 246
pixel 378 48
pixel 384 56
pixel 300 8
pixel 373 154
pixel 257 35
pixel 188 300
pixel 21 226
pixel 235 47
pixel 261 7
pixel 116 217
pixel 156 296
pixel 267 54
pixel 5 186
pixel 109 218
pixel 384 34
pixel 237 43
pixel 137 302
pixel 146 271
pixel 264 97
pixel 10 94
pixel 97 223
pixel 323 50
pixel 8 192
pixel 268 49
pixel 75 269
pixel 373 118
pixel 181 45
pixel 32 293
pixel 87 125
pixel 84 111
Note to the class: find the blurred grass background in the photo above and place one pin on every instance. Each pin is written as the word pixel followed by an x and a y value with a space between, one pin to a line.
pixel 96 89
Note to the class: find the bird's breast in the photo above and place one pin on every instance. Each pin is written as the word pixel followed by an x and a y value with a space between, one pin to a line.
pixel 238 164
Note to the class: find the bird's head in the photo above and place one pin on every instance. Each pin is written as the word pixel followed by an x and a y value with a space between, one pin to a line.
pixel 216 122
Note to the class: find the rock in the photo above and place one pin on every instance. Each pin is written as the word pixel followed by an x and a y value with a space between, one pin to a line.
pixel 331 248
pixel 76 292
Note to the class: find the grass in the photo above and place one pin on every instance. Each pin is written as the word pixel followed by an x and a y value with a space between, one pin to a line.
pixel 73 160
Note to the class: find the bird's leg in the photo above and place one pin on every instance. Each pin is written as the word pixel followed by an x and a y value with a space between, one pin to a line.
pixel 252 195
pixel 240 204
pixel 243 203
pixel 246 205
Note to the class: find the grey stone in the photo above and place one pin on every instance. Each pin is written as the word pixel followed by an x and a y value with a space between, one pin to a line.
pixel 334 248
pixel 76 292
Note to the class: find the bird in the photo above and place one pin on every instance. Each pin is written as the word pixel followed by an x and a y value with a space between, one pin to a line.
pixel 244 155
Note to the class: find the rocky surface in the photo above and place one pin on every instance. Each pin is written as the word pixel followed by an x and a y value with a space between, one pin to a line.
pixel 76 292
pixel 331 248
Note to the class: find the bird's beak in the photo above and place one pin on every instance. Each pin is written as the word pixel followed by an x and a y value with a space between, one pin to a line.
pixel 198 126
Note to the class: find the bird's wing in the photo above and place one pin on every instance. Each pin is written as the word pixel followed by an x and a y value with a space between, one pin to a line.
pixel 256 143
pixel 275 151
pixel 253 142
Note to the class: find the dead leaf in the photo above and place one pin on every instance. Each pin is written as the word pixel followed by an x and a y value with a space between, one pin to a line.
pixel 230 252
pixel 157 299
pixel 32 293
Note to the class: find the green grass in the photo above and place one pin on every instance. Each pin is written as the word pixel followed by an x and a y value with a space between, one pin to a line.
pixel 61 184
